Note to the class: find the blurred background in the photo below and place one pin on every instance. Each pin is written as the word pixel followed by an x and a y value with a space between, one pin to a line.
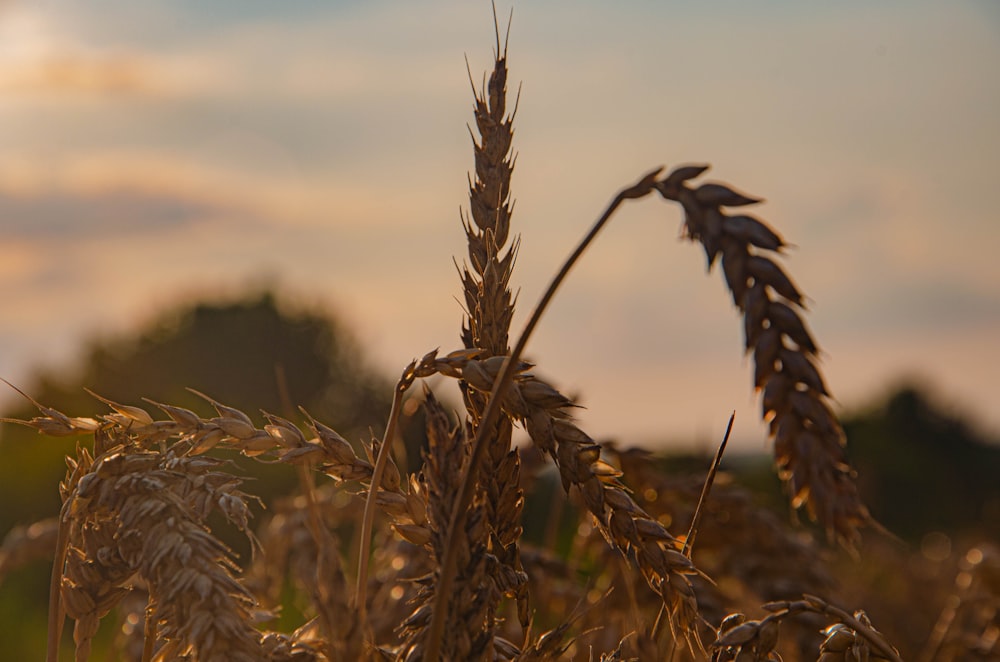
pixel 261 201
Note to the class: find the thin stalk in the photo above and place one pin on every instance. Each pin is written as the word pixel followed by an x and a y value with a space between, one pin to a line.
pixel 321 537
pixel 56 616
pixel 149 632
pixel 442 592
pixel 360 592
pixel 705 489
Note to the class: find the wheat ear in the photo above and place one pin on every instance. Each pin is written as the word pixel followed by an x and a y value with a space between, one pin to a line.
pixel 490 307
pixel 852 638
pixel 808 438
pixel 468 612
pixel 136 511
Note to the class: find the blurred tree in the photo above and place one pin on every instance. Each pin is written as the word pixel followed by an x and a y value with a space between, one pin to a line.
pixel 922 469
pixel 252 353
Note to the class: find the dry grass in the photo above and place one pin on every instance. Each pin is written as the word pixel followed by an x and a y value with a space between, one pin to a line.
pixel 445 572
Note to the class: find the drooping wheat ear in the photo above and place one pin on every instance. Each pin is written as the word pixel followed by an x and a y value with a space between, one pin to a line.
pixel 808 438
pixel 545 414
pixel 748 545
pixel 485 284
pixel 189 435
pixel 141 512
pixel 469 632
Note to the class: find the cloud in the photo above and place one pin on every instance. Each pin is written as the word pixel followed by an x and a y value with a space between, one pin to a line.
pixel 100 194
pixel 74 74
pixel 65 217
pixel 39 60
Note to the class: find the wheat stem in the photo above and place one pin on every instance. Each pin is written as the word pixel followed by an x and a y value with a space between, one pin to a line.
pixel 360 597
pixel 149 632
pixel 57 615
pixel 55 606
pixel 706 488
pixel 493 407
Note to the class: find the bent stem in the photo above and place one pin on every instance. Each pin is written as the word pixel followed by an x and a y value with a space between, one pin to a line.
pixel 815 604
pixel 442 591
pixel 360 592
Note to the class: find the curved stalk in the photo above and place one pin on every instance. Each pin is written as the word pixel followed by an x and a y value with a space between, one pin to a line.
pixel 442 592
pixel 360 593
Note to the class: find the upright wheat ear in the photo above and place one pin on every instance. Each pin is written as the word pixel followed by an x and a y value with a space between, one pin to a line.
pixel 490 306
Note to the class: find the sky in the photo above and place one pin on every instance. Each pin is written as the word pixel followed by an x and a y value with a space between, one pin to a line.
pixel 157 151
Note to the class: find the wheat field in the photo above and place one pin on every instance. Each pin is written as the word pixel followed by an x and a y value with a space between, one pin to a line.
pixel 434 564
